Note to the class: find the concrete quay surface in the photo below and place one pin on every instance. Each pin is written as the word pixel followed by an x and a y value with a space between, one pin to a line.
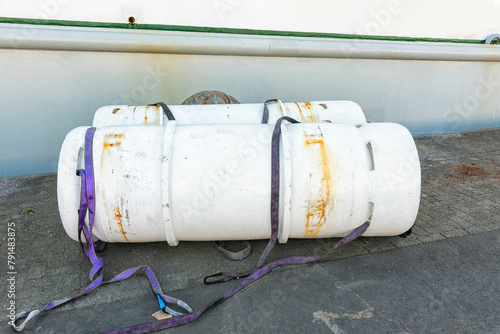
pixel 443 278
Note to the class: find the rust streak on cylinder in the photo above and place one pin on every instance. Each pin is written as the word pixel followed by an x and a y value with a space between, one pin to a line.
pixel 111 140
pixel 281 109
pixel 316 208
pixel 315 217
pixel 119 222
pixel 158 114
pixel 152 119
pixel 146 115
pixel 307 113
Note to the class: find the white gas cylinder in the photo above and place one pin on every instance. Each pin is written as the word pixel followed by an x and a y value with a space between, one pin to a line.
pixel 213 182
pixel 340 112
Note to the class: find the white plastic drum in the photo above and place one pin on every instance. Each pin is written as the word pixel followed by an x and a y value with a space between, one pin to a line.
pixel 213 182
pixel 339 112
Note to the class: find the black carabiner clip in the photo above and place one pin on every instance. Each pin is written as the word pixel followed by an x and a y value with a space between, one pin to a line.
pixel 220 280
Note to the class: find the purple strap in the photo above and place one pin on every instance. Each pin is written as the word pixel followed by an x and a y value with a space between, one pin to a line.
pixel 87 204
pixel 256 275
pixel 275 188
pixel 235 256
pixel 265 114
pixel 260 271
pixel 275 193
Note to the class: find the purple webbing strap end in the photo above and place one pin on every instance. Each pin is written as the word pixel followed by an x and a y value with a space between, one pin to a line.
pixel 86 202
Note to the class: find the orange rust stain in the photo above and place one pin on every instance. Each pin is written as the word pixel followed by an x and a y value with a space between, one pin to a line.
pixel 281 109
pixel 156 114
pixel 314 139
pixel 118 219
pixel 116 110
pixel 106 145
pixel 300 111
pixel 146 115
pixel 111 140
pixel 316 209
pixel 315 217
pixel 307 112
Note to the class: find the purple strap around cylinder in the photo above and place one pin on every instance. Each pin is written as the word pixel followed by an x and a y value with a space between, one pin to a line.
pixel 265 114
pixel 275 192
pixel 275 187
pixel 260 271
pixel 87 204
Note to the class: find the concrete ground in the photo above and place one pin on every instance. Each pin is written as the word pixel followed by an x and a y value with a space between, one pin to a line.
pixel 443 278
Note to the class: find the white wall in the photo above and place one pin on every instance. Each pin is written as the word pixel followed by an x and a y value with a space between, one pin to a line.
pixel 45 94
pixel 422 18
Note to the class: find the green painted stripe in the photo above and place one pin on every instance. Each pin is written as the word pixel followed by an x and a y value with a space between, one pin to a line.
pixel 162 27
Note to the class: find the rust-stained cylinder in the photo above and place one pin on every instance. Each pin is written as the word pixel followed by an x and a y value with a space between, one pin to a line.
pixel 212 182
pixel 338 112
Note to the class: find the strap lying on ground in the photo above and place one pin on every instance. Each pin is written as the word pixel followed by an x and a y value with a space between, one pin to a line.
pixel 216 97
pixel 275 189
pixel 260 271
pixel 235 256
pixel 87 204
pixel 255 276
pixel 96 275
